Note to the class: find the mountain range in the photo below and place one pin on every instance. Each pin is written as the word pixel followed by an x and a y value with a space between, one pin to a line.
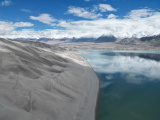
pixel 148 41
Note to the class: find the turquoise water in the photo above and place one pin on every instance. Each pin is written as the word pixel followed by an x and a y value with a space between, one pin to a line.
pixel 129 84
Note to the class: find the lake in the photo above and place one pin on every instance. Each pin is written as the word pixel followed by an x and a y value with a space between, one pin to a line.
pixel 129 84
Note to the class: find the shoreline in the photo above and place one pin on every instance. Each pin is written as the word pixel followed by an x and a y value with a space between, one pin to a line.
pixel 93 78
pixel 106 46
pixel 97 99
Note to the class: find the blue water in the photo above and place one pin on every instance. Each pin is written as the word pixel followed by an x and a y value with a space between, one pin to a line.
pixel 129 84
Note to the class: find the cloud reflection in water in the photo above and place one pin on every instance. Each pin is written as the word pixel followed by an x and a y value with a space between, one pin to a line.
pixel 134 67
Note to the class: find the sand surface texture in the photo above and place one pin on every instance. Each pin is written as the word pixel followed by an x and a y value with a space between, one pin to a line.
pixel 41 84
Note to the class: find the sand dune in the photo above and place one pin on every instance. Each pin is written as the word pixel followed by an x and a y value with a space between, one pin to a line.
pixel 41 84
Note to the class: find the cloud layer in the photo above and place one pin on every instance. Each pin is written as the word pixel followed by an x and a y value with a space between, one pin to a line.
pixel 44 18
pixel 136 23
pixel 25 10
pixel 87 0
pixel 90 13
pixel 7 28
pixel 106 7
pixel 81 12
pixel 6 3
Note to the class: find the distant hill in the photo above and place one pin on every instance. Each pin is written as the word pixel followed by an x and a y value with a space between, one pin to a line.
pixel 150 38
pixel 96 40
pixel 105 39
pixel 128 41
pixel 83 39
pixel 153 41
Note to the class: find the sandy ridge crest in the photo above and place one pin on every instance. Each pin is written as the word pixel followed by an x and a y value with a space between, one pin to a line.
pixel 42 84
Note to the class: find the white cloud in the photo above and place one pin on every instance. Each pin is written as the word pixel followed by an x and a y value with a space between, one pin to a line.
pixel 23 24
pixel 44 18
pixel 25 10
pixel 8 27
pixel 111 16
pixel 106 7
pixel 124 27
pixel 91 13
pixel 63 23
pixel 140 13
pixel 6 3
pixel 81 12
pixel 87 0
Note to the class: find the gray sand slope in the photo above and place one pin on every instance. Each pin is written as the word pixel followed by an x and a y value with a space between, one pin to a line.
pixel 37 84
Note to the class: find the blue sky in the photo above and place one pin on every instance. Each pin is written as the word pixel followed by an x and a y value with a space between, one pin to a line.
pixel 79 18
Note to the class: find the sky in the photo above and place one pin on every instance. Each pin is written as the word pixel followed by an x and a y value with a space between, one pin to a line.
pixel 79 18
